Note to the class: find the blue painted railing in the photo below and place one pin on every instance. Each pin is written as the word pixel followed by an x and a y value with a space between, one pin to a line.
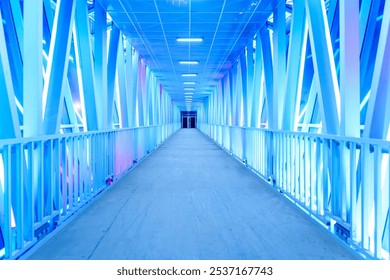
pixel 47 179
pixel 343 183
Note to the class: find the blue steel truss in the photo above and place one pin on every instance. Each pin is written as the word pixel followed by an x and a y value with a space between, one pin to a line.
pixel 72 88
pixel 315 119
pixel 306 106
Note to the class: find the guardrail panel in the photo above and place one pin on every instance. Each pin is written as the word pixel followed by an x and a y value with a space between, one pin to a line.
pixel 343 182
pixel 45 180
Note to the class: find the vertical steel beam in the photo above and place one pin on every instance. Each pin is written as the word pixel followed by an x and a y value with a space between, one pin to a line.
pixel 228 107
pixel 32 67
pixel 250 66
pixel 378 113
pixel 57 68
pixel 111 73
pixel 100 55
pixel 131 83
pixel 296 60
pixel 233 92
pixel 244 117
pixel 149 94
pixel 223 101
pixel 134 83
pixel 122 84
pixel 279 63
pixel 141 91
pixel 149 86
pixel 268 76
pixel 325 70
pixel 349 68
pixel 256 82
pixel 158 103
pixel 84 60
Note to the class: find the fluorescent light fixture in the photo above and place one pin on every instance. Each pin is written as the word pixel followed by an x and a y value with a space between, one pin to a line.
pixel 189 88
pixel 188 93
pixel 189 75
pixel 189 83
pixel 188 62
pixel 191 40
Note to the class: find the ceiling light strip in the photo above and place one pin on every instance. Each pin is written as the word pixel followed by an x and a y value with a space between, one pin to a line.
pixel 188 62
pixel 189 40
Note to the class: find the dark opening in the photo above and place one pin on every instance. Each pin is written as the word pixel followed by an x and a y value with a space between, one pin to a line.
pixel 1 240
pixel 193 122
pixel 188 119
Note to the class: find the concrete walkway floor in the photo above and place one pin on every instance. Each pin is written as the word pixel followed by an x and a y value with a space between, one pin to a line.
pixel 191 200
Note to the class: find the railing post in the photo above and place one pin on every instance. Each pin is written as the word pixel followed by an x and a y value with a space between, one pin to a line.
pixel 7 230
pixel 244 148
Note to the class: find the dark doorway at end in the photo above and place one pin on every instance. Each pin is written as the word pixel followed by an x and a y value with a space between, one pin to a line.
pixel 188 119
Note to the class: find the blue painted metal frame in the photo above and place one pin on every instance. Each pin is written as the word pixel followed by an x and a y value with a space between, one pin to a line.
pixel 55 81
pixel 378 116
pixel 113 80
pixel 111 73
pixel 325 72
pixel 100 66
pixel 323 64
pixel 71 174
pixel 85 62
pixel 10 124
pixel 32 68
pixel 300 165
pixel 349 68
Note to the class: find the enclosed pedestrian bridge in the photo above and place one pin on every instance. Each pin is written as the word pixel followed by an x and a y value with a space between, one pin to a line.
pixel 194 129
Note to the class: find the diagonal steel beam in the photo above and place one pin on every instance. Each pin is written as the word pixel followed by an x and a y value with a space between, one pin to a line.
pixel 57 68
pixel 9 127
pixel 324 66
pixel 378 114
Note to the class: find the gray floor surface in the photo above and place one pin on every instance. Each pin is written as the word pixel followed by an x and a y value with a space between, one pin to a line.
pixel 191 200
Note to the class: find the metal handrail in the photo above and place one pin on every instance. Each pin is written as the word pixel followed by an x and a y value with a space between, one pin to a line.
pixel 45 180
pixel 342 182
